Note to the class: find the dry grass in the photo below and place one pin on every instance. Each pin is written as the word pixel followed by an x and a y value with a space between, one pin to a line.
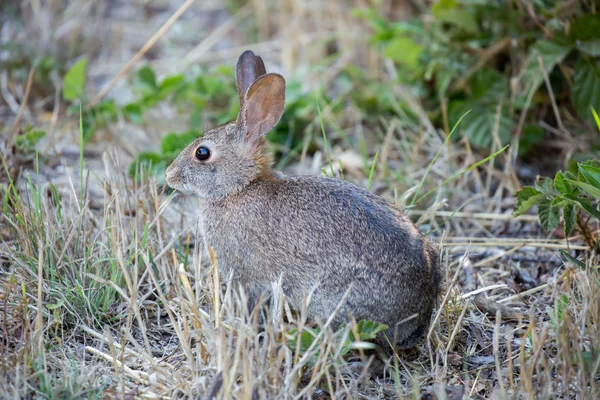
pixel 103 292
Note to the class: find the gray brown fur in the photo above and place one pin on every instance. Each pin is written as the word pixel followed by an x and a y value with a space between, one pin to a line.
pixel 313 231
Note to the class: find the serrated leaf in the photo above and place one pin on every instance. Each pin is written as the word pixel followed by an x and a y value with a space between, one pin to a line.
pixel 585 204
pixel 552 52
pixel 586 89
pixel 490 84
pixel 560 201
pixel 572 259
pixel 570 218
pixel 74 82
pixel 479 125
pixel 368 330
pixel 593 163
pixel 526 199
pixel 405 51
pixel 561 184
pixel 548 214
pixel 592 190
pixel 591 174
pixel 545 185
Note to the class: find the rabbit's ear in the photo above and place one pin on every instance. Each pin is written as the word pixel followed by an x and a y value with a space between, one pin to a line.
pixel 263 105
pixel 249 67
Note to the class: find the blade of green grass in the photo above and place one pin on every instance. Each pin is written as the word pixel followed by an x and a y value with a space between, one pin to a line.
pixel 596 117
pixel 325 139
pixel 80 157
pixel 477 164
pixel 572 259
pixel 372 170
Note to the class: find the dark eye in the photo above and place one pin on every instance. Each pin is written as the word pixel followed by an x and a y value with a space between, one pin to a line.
pixel 202 153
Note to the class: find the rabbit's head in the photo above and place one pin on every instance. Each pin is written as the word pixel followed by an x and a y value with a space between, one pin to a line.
pixel 226 159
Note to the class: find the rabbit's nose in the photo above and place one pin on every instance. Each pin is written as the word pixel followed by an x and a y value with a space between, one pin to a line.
pixel 170 173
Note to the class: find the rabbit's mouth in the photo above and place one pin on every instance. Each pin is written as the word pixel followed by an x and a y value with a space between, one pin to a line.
pixel 173 178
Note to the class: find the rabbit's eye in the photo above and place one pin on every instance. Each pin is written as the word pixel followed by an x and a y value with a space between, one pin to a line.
pixel 202 153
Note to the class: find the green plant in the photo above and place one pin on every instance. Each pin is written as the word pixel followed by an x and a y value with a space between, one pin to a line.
pixel 214 98
pixel 568 195
pixel 565 197
pixel 493 58
pixel 346 338
pixel 210 96
pixel 27 141
pixel 157 162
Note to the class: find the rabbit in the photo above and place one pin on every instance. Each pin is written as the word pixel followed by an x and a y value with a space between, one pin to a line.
pixel 315 232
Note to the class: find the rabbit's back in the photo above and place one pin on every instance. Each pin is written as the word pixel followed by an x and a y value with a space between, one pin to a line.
pixel 319 231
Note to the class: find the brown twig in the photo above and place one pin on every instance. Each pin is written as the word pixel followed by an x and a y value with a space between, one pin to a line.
pixel 125 70
pixel 15 127
pixel 493 308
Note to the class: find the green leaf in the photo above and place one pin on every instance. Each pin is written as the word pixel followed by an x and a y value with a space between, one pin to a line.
pixel 490 84
pixel 147 76
pixel 586 89
pixel 307 337
pixel 589 361
pixel 586 27
pixel 552 52
pixel 562 302
pixel 545 185
pixel 405 51
pixel 155 162
pixel 572 259
pixel 29 139
pixel 133 111
pixel 561 184
pixel 480 124
pixel 56 305
pixel 591 174
pixel 548 214
pixel 593 163
pixel 592 190
pixel 526 199
pixel 368 330
pixel 570 217
pixel 447 11
pixel 74 83
pixel 145 83
pixel 171 84
pixel 173 143
pixel 590 47
pixel 585 204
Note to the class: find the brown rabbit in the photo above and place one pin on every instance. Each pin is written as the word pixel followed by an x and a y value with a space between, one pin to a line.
pixel 312 231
